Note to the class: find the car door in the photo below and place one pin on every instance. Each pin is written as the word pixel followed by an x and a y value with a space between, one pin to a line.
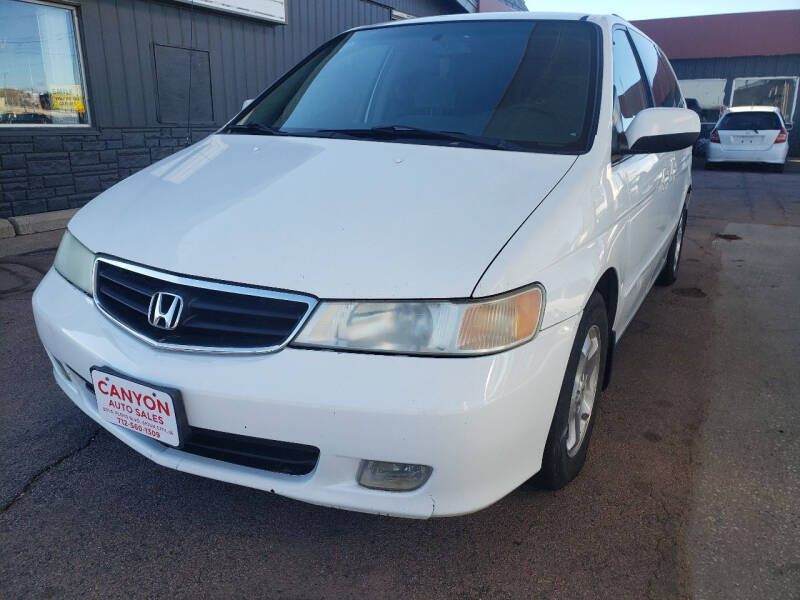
pixel 638 179
pixel 675 167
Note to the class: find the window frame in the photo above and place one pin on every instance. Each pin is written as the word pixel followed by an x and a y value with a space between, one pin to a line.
pixel 73 9
pixel 619 154
pixel 639 65
pixel 787 119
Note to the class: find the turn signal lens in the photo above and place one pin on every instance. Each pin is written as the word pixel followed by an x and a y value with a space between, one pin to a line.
pixel 714 137
pixel 500 322
pixel 444 328
pixel 782 135
pixel 392 477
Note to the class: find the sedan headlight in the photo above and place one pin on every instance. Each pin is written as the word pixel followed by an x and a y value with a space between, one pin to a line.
pixel 447 328
pixel 75 262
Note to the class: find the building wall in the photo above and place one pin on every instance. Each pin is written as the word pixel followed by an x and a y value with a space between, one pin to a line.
pixel 45 168
pixel 768 33
pixel 744 66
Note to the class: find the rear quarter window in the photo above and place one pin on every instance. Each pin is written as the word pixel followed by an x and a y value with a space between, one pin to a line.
pixel 666 92
pixel 749 121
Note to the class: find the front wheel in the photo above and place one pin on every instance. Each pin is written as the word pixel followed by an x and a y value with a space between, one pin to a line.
pixel 573 421
pixel 669 273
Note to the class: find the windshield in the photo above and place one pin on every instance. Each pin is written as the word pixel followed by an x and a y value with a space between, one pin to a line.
pixel 750 121
pixel 528 83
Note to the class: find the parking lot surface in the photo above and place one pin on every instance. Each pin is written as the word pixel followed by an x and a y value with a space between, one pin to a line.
pixel 690 488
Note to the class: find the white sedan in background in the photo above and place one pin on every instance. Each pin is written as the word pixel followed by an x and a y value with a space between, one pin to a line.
pixel 749 134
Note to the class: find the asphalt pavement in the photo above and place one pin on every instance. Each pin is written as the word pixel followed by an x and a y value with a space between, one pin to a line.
pixel 690 489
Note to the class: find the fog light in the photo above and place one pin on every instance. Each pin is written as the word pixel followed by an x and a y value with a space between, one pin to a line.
pixel 393 477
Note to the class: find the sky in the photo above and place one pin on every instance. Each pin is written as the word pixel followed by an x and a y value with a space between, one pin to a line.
pixel 632 10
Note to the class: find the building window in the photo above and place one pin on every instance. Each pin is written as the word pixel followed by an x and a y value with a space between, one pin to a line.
pixel 780 92
pixel 704 96
pixel 41 77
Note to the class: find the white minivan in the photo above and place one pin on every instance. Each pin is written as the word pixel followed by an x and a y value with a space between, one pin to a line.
pixel 393 283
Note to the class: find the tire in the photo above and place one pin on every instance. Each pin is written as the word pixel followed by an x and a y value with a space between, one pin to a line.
pixel 669 273
pixel 567 444
pixel 710 166
pixel 779 168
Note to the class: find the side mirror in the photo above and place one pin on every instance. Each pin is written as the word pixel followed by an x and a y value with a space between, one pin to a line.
pixel 788 126
pixel 656 130
pixel 247 103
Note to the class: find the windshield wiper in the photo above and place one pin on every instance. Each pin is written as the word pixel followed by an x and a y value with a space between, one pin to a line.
pixel 254 129
pixel 408 132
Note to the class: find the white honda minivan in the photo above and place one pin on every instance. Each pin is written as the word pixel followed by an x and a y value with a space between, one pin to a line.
pixel 393 283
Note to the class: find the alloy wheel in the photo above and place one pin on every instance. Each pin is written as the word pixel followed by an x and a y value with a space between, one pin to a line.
pixel 584 390
pixel 676 256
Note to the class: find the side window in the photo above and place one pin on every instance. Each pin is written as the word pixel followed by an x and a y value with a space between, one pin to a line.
pixel 659 72
pixel 630 93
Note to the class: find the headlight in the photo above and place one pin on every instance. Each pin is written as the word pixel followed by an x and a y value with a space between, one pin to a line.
pixel 467 327
pixel 75 262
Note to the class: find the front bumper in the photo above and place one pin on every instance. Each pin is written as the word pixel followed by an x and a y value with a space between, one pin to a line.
pixel 481 422
pixel 775 154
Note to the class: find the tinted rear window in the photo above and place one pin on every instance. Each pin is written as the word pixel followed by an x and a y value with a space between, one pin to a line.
pixel 749 121
pixel 532 83
pixel 665 88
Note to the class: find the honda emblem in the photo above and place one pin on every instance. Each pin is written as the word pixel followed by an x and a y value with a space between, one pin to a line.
pixel 165 310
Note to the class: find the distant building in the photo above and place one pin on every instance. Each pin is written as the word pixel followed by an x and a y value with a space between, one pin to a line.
pixel 734 60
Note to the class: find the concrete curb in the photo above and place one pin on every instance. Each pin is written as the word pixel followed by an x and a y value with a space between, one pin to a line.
pixel 6 229
pixel 40 222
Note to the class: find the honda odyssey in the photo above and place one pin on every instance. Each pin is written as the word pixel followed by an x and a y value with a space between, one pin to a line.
pixel 393 283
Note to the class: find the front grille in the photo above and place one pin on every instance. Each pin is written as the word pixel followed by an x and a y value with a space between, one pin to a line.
pixel 215 316
pixel 280 457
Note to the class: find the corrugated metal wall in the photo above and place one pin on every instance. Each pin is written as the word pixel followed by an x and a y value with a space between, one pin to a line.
pixel 745 66
pixel 245 55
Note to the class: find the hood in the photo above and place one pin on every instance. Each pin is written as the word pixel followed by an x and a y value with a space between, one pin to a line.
pixel 332 218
